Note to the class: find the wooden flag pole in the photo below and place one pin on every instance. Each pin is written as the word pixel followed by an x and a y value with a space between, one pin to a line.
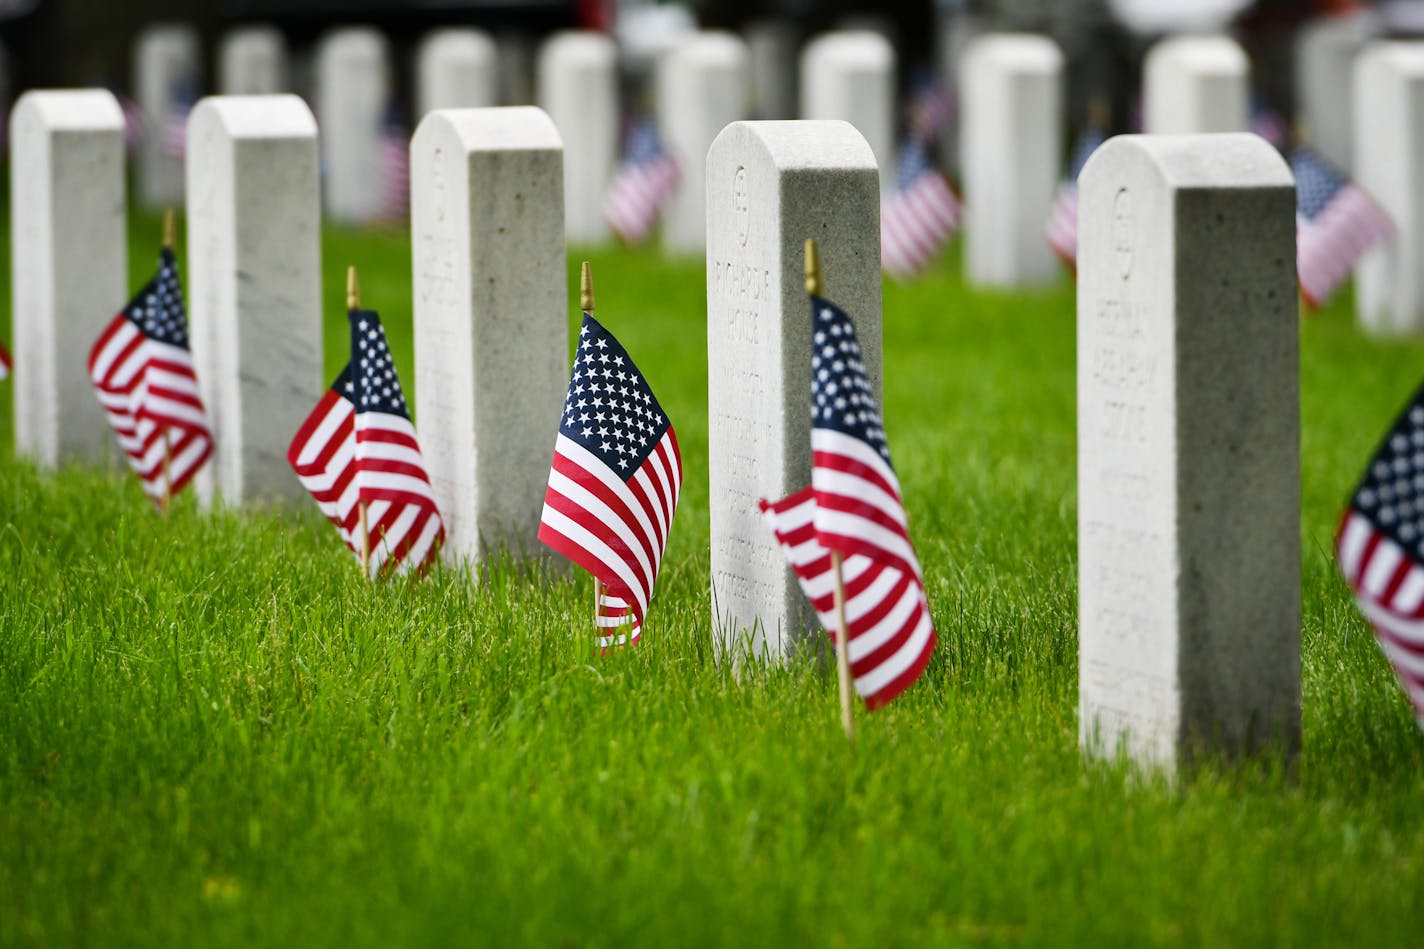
pixel 586 304
pixel 353 301
pixel 170 237
pixel 816 287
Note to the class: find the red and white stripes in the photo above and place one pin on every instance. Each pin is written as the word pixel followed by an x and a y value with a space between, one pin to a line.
pixel 916 223
pixel 1329 245
pixel 402 519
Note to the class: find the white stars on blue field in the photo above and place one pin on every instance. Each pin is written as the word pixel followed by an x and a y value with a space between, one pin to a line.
pixel 841 397
pixel 157 310
pixel 376 388
pixel 610 410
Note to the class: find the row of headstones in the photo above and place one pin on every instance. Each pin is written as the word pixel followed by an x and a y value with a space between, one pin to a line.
pixel 1012 88
pixel 699 88
pixel 1189 505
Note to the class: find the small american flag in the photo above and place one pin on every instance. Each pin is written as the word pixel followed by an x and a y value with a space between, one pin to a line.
pixel 143 376
pixel 853 508
pixel 642 186
pixel 1336 223
pixel 6 362
pixel 174 128
pixel 614 483
pixel 1380 549
pixel 358 446
pixel 920 218
pixel 930 110
pixel 1062 228
pixel 395 173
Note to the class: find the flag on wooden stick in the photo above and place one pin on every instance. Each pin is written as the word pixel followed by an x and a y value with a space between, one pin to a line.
pixel 1380 549
pixel 358 455
pixel 846 535
pixel 143 376
pixel 614 482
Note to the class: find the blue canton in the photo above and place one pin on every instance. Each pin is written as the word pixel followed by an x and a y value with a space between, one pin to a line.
pixel 610 410
pixel 1316 183
pixel 157 309
pixel 1083 149
pixel 914 161
pixel 1391 494
pixel 643 144
pixel 841 397
pixel 374 374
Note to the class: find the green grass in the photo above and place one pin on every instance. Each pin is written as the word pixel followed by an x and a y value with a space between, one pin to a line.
pixel 213 733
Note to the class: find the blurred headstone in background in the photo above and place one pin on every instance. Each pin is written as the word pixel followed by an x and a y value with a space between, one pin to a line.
pixel 1193 84
pixel 252 60
pixel 167 80
pixel 1325 51
pixel 772 44
pixel 850 75
pixel 353 90
pixel 456 69
pixel 578 88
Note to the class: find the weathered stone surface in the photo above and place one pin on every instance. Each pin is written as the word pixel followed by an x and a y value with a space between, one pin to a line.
pixel 353 89
pixel 69 265
pixel 456 69
pixel 252 61
pixel 1011 149
pixel 491 319
pixel 850 75
pixel 1195 84
pixel 167 65
pixel 701 88
pixel 1188 449
pixel 254 282
pixel 1389 164
pixel 578 88
pixel 770 186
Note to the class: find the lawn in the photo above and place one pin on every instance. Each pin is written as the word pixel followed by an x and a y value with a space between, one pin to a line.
pixel 212 732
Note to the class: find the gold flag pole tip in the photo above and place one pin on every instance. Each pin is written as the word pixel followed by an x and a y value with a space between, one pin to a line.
pixel 586 288
pixel 353 289
pixel 170 229
pixel 815 283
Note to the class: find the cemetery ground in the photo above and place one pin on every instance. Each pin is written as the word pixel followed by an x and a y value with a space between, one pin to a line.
pixel 213 732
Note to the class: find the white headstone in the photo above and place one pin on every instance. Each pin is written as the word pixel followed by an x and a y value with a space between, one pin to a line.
pixel 771 46
pixel 1188 449
pixel 491 319
pixel 1389 165
pixel 578 88
pixel 770 186
pixel 850 75
pixel 456 69
pixel 69 265
pixel 1195 84
pixel 167 63
pixel 701 88
pixel 252 61
pixel 254 282
pixel 1011 150
pixel 1325 52
pixel 353 90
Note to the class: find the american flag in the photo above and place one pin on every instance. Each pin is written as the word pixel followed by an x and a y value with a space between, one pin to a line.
pixel 1062 228
pixel 143 375
pixel 1380 549
pixel 358 446
pixel 614 482
pixel 175 122
pixel 930 110
pixel 395 173
pixel 1336 223
pixel 853 508
pixel 642 186
pixel 6 362
pixel 920 218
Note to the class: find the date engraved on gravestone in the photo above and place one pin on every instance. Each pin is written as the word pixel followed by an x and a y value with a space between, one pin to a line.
pixel 1122 232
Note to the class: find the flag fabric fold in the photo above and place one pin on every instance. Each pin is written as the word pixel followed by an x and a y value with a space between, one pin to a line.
pixel 143 377
pixel 641 187
pixel 1062 227
pixel 918 220
pixel 614 482
pixel 358 447
pixel 853 508
pixel 1336 224
pixel 1380 549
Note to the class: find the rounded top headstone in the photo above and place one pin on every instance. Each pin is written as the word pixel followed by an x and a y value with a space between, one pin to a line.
pixel 1214 54
pixel 1234 160
pixel 1023 52
pixel 353 43
pixel 266 116
pixel 585 47
pixel 86 109
pixel 857 49
pixel 497 129
pixel 1166 16
pixel 804 143
pixel 459 42
pixel 710 48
